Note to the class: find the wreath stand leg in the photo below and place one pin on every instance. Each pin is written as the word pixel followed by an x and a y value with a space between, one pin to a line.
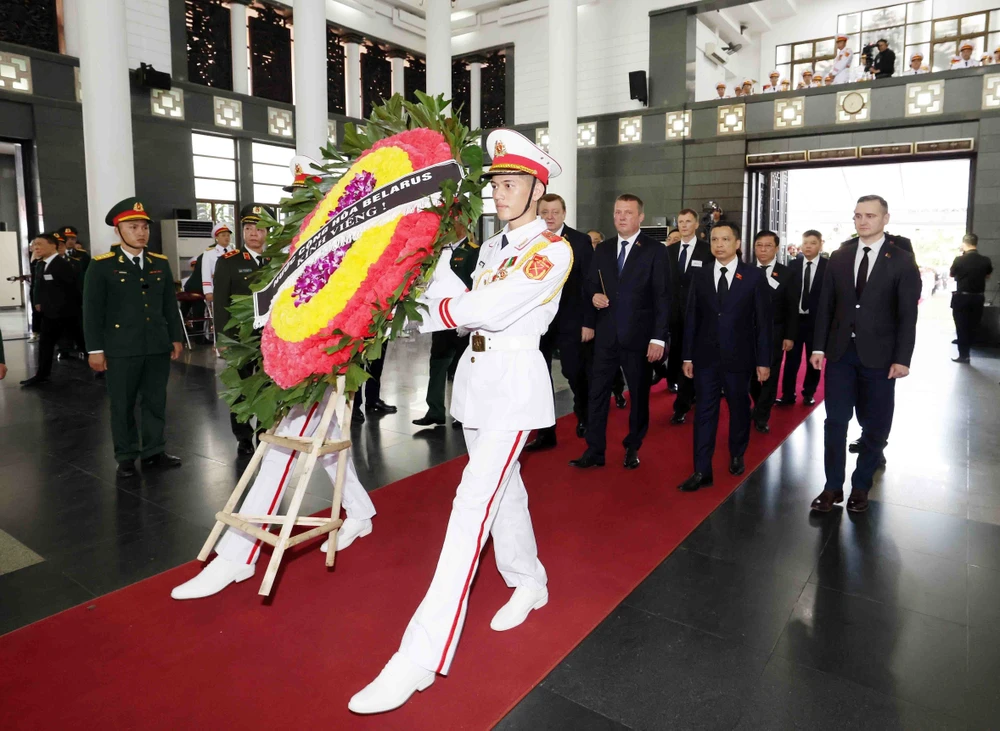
pixel 312 448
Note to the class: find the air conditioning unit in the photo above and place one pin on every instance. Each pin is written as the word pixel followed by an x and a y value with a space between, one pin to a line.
pixel 183 242
pixel 716 54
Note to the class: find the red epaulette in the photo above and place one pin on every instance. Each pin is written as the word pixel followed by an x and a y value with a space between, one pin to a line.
pixel 551 236
pixel 228 254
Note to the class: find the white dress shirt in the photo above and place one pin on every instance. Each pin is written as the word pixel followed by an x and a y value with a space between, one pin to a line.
pixel 47 260
pixel 730 272
pixel 255 255
pixel 806 261
pixel 690 251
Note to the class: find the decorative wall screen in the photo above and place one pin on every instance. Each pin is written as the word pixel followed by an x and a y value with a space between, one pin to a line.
pixel 209 43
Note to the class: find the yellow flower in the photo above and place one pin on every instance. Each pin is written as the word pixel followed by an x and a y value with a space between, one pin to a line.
pixel 295 324
pixel 387 164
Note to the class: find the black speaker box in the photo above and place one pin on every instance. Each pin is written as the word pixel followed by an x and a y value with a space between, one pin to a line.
pixel 637 86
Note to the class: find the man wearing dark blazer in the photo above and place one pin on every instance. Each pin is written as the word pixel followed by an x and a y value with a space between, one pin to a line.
pixel 630 291
pixel 685 258
pixel 727 342
pixel 784 324
pixel 56 299
pixel 885 61
pixel 806 272
pixel 865 329
pixel 567 333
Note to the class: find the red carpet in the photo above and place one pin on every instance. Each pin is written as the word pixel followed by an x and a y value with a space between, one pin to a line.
pixel 137 659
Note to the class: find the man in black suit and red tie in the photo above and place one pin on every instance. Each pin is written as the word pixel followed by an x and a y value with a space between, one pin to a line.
pixel 865 329
pixel 686 257
pixel 727 342
pixel 784 324
pixel 630 291
pixel 806 274
pixel 567 333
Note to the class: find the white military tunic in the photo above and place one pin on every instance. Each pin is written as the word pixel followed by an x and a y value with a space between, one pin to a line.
pixel 208 262
pixel 960 63
pixel 501 391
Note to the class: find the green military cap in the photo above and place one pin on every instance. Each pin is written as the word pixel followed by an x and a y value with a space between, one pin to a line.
pixel 130 209
pixel 250 213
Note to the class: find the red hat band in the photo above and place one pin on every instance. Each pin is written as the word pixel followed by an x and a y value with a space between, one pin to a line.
pixel 519 164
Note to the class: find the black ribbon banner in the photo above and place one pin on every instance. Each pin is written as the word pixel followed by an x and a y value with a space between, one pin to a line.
pixel 380 205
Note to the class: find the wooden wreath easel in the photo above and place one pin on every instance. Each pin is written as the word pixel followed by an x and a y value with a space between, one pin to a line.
pixel 312 448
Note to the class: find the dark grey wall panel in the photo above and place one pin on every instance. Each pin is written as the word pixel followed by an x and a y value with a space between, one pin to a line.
pixel 759 117
pixel 671 58
pixel 15 120
pixel 888 102
pixel 164 172
pixel 62 173
pixel 821 109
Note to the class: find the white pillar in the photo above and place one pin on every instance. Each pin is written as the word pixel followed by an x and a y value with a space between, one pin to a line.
pixel 240 41
pixel 107 113
pixel 562 100
pixel 311 131
pixel 397 60
pixel 438 21
pixel 352 69
pixel 71 27
pixel 475 92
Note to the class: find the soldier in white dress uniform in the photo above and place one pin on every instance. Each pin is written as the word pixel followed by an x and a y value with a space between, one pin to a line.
pixel 841 69
pixel 237 552
pixel 720 89
pixel 223 237
pixel 775 77
pixel 501 392
pixel 916 65
pixel 964 59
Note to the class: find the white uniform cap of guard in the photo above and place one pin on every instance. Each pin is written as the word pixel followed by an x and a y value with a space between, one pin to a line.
pixel 512 152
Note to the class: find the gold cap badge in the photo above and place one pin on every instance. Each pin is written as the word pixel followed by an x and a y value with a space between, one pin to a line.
pixel 137 207
pixel 499 149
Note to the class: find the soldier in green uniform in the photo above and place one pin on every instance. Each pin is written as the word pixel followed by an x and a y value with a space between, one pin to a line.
pixel 232 277
pixel 133 331
pixel 447 346
pixel 74 250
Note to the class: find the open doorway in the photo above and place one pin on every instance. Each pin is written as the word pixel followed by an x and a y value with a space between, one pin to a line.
pixel 928 203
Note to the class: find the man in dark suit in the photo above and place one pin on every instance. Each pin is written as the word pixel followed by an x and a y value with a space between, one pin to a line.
pixel 970 271
pixel 56 299
pixel 567 333
pixel 727 342
pixel 806 272
pixel 865 329
pixel 630 291
pixel 685 258
pixel 885 62
pixel 784 324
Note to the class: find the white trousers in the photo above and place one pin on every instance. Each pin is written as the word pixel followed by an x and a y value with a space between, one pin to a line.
pixel 275 473
pixel 490 501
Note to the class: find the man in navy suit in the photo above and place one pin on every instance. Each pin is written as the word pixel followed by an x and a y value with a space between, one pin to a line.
pixel 727 342
pixel 630 290
pixel 784 325
pixel 865 329
pixel 807 281
pixel 567 333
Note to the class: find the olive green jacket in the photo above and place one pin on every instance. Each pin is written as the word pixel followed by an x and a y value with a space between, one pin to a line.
pixel 128 311
pixel 232 277
pixel 464 259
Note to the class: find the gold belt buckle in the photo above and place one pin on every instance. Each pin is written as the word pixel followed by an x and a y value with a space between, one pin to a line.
pixel 478 343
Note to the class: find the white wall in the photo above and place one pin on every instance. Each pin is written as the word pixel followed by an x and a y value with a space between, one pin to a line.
pixel 148 27
pixel 613 38
pixel 740 66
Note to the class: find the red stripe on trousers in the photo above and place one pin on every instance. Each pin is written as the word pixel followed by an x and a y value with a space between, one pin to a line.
pixel 284 476
pixel 475 556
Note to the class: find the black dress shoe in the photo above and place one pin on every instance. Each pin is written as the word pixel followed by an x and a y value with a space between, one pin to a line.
pixel 696 480
pixel 762 427
pixel 854 447
pixel 456 424
pixel 786 401
pixel 545 439
pixel 736 466
pixel 672 387
pixel 620 401
pixel 34 381
pixel 808 400
pixel 678 419
pixel 581 429
pixel 245 447
pixel 125 469
pixel 589 459
pixel 960 359
pixel 358 417
pixel 825 501
pixel 657 377
pixel 161 461
pixel 429 420
pixel 380 407
pixel 858 501
pixel 631 459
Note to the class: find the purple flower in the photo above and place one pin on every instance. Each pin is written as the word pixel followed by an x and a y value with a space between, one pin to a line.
pixel 361 185
pixel 315 276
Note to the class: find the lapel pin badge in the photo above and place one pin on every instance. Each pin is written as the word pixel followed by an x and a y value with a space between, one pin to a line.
pixel 739 276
